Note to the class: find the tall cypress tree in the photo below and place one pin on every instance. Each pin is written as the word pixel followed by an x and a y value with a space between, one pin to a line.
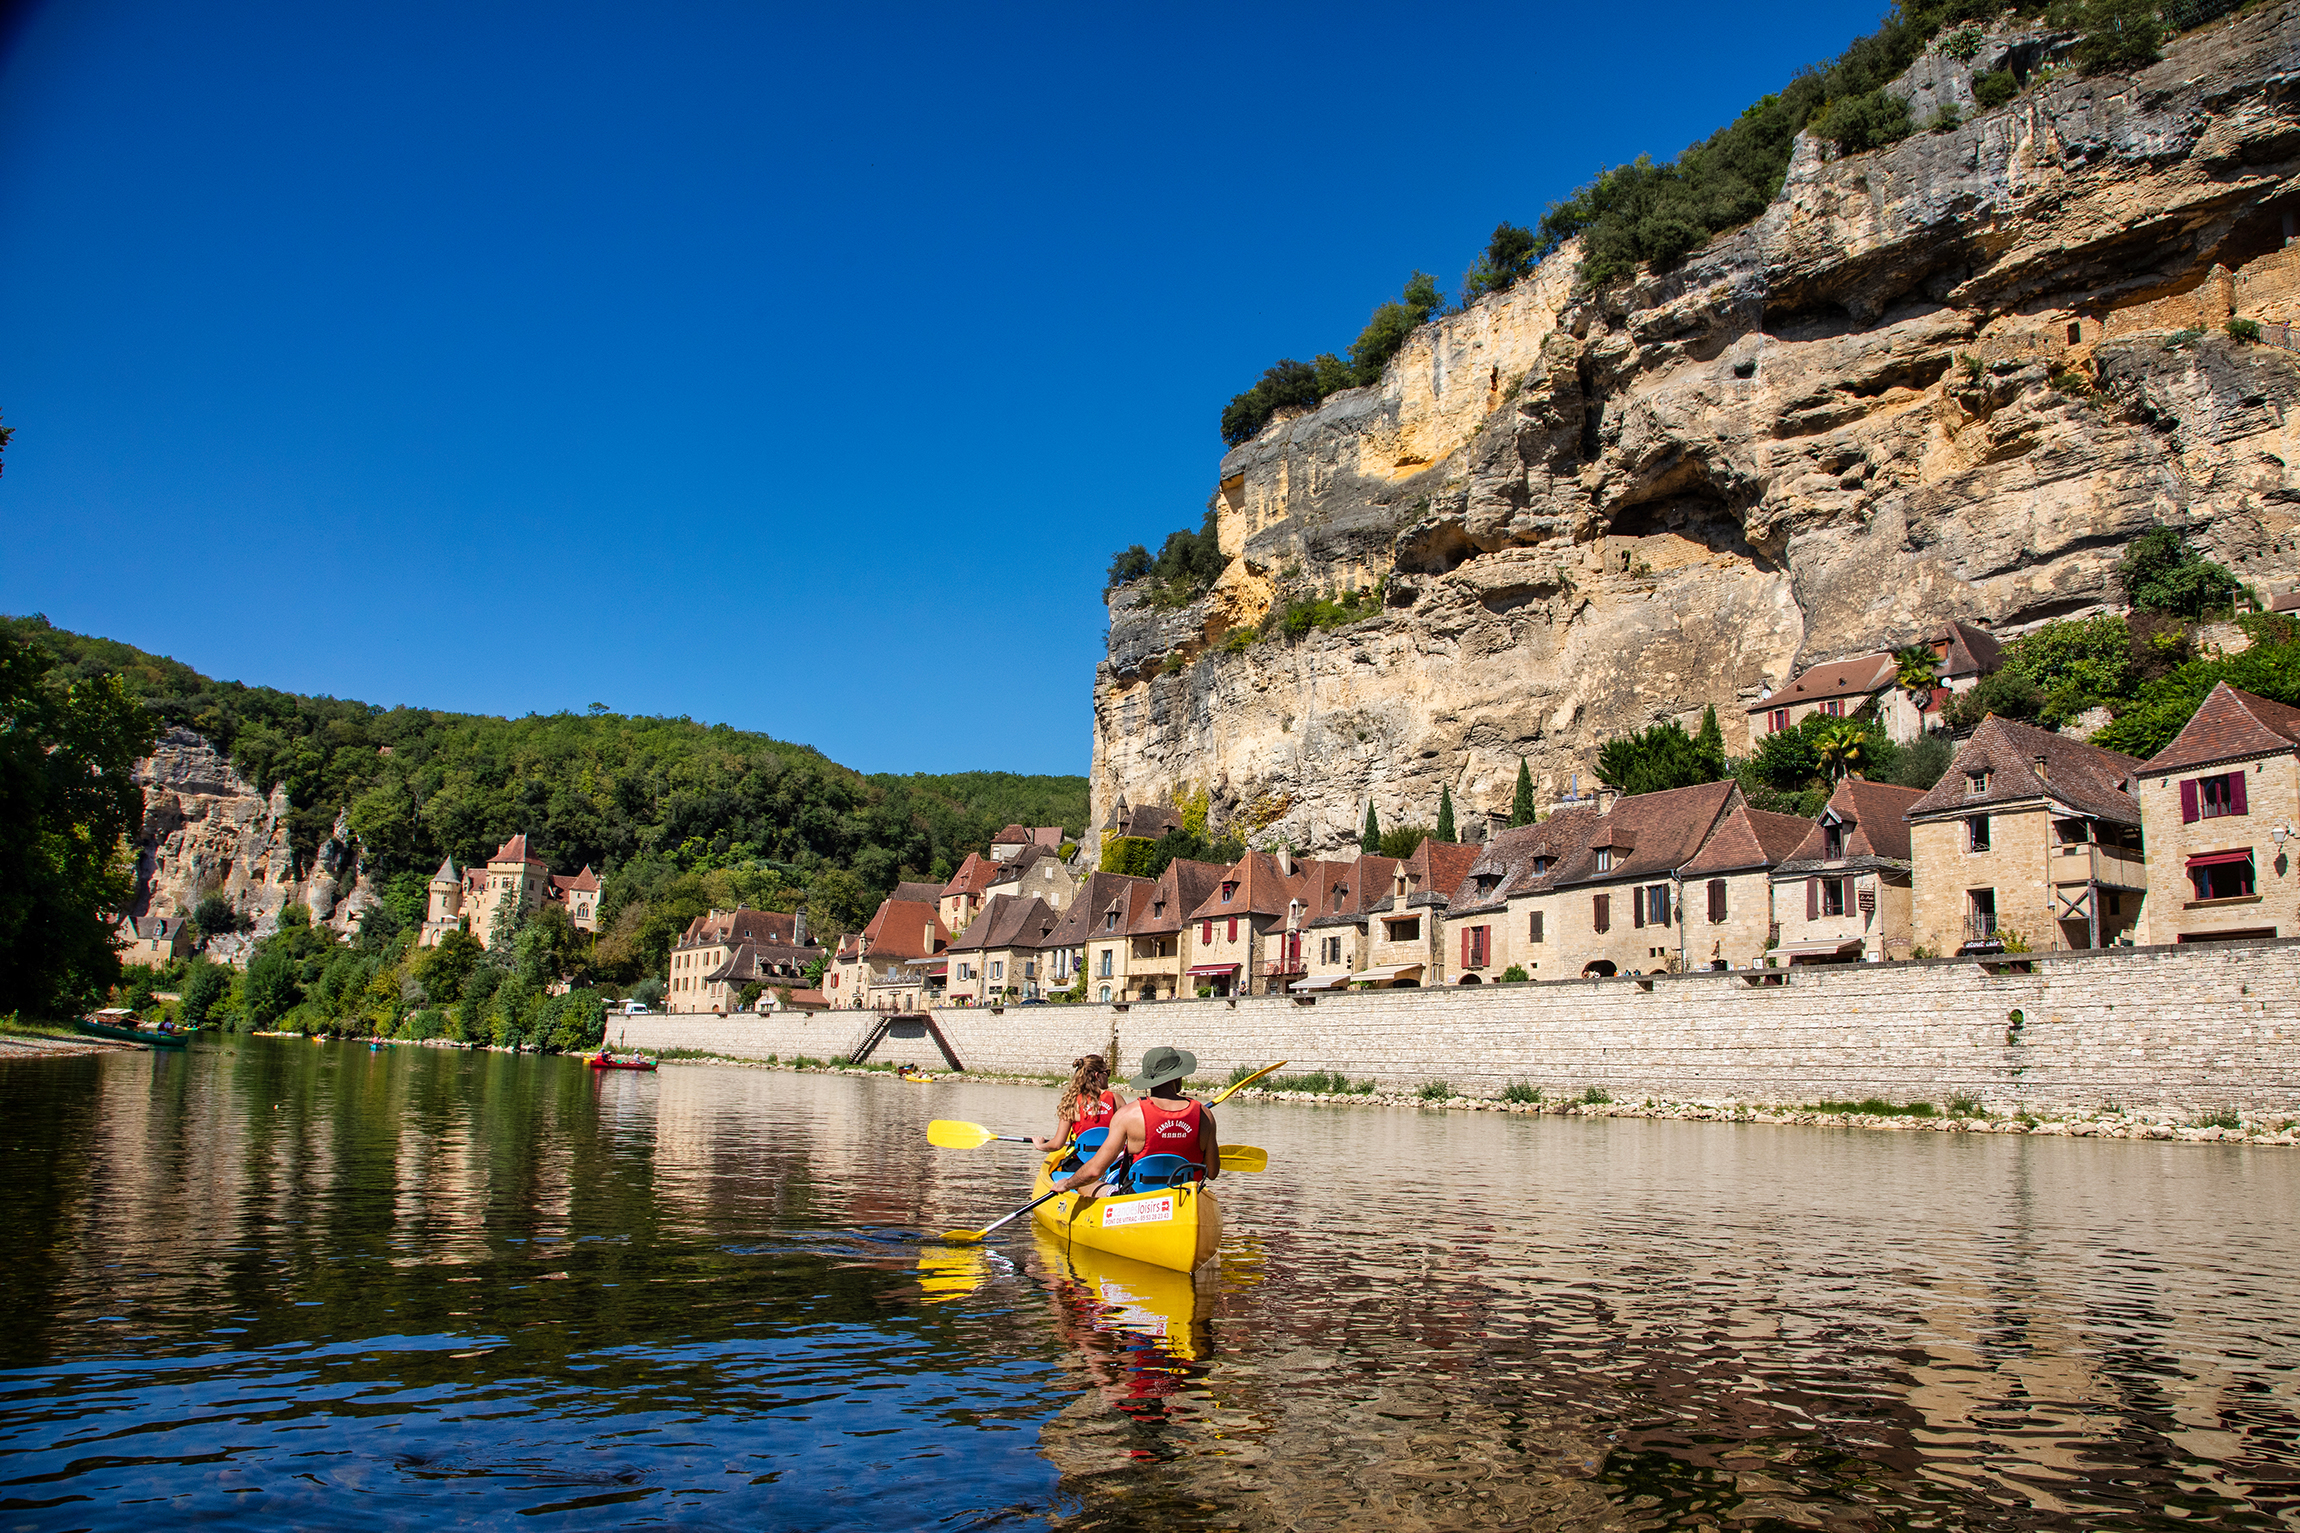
pixel 1521 807
pixel 1371 841
pixel 1710 742
pixel 1445 814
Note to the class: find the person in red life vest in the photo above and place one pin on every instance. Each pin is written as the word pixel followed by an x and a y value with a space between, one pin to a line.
pixel 1163 1123
pixel 1086 1102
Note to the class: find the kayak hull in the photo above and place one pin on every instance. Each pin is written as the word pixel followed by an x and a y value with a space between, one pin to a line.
pixel 621 1064
pixel 134 1035
pixel 1177 1228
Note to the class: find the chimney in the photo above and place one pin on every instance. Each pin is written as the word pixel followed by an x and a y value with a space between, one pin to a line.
pixel 2041 770
pixel 799 926
pixel 1606 794
pixel 1286 858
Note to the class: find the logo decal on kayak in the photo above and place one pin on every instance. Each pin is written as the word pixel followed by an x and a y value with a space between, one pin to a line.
pixel 1149 1211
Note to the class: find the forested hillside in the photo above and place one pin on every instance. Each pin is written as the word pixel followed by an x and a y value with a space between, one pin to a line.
pixel 650 802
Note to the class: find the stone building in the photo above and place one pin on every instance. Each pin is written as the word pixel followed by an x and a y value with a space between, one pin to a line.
pixel 2219 805
pixel 1157 933
pixel 1093 934
pixel 1730 913
pixel 1013 841
pixel 1498 916
pixel 1004 955
pixel 469 900
pixel 1617 899
pixel 721 951
pixel 1406 939
pixel 961 900
pixel 152 940
pixel 902 934
pixel 2030 837
pixel 1035 873
pixel 1243 933
pixel 1339 913
pixel 1844 894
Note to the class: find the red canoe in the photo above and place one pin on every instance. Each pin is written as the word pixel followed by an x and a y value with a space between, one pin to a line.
pixel 604 1062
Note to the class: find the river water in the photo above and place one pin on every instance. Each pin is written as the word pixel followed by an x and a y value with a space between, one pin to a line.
pixel 296 1285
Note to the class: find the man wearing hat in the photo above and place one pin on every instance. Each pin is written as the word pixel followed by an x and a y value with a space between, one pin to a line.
pixel 1164 1122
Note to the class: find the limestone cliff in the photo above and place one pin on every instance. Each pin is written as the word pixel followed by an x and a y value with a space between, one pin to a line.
pixel 1948 379
pixel 207 830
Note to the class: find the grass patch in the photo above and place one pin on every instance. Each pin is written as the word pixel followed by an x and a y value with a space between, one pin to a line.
pixel 1877 1107
pixel 1520 1091
pixel 2221 1119
pixel 1435 1091
pixel 1964 1107
pixel 805 1062
pixel 14 1023
pixel 1596 1096
pixel 1330 1083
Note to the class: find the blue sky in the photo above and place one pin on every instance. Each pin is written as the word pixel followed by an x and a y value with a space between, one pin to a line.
pixel 797 369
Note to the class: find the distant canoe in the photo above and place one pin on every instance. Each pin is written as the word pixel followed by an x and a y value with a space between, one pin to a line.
pixel 603 1062
pixel 123 1029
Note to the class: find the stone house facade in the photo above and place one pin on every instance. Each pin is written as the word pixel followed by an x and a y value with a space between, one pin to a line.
pixel 152 940
pixel 1340 904
pixel 1241 935
pixel 2220 806
pixel 1728 915
pixel 1617 899
pixel 903 934
pixel 721 951
pixel 1405 940
pixel 1501 913
pixel 1004 955
pixel 2032 833
pixel 1844 894
pixel 1092 937
pixel 1035 874
pixel 1159 932
pixel 961 899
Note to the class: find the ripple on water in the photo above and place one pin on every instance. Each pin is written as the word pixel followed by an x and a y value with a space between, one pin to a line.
pixel 426 1287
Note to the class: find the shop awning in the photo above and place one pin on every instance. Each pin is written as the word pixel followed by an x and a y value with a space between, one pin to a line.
pixel 1322 982
pixel 938 970
pixel 1829 949
pixel 1214 968
pixel 1383 976
pixel 2219 859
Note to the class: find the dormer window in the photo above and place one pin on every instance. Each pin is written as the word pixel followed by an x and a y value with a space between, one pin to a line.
pixel 1832 841
pixel 1110 922
pixel 1605 859
pixel 1228 889
pixel 1157 909
pixel 1540 865
pixel 1487 882
pixel 1976 783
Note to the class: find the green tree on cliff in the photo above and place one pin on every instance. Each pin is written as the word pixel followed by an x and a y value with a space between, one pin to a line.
pixel 1371 840
pixel 1445 814
pixel 1521 804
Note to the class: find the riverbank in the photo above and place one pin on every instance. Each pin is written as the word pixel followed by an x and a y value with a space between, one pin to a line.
pixel 2215 1128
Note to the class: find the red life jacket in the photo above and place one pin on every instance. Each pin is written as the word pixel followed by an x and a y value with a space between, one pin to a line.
pixel 1097 1115
pixel 1173 1130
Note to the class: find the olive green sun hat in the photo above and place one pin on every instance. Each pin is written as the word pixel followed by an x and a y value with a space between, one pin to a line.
pixel 1162 1064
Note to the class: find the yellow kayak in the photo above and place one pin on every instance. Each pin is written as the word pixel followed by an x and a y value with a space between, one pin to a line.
pixel 1176 1228
pixel 1134 1298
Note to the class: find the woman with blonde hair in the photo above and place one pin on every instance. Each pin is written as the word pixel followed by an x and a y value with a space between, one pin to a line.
pixel 1086 1101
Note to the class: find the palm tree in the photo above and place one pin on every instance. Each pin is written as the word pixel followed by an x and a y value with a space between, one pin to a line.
pixel 1918 669
pixel 1839 746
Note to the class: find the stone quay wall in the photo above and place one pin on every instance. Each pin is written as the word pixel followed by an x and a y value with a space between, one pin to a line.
pixel 2199 1028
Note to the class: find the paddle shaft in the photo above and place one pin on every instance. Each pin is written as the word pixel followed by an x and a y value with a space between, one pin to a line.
pixel 1018 1213
pixel 1222 1096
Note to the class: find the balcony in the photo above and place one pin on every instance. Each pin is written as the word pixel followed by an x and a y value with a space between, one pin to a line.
pixel 2113 867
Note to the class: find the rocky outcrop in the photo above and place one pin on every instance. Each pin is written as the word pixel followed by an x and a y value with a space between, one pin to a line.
pixel 208 831
pixel 1950 379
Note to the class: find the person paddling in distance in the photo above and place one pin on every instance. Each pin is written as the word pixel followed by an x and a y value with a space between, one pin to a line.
pixel 1086 1102
pixel 1163 1124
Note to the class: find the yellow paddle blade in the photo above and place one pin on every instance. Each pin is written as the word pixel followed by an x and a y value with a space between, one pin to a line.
pixel 962 1237
pixel 950 1134
pixel 1223 1095
pixel 1244 1157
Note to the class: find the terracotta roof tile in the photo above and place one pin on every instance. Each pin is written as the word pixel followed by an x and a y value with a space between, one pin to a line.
pixel 514 850
pixel 1523 859
pixel 1102 896
pixel 1263 889
pixel 1182 888
pixel 2228 726
pixel 2084 777
pixel 1857 677
pixel 740 925
pixel 1967 651
pixel 1748 838
pixel 901 929
pixel 916 892
pixel 1008 922
pixel 974 875
pixel 1652 833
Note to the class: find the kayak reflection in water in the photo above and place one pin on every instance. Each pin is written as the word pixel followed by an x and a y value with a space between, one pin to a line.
pixel 1086 1102
pixel 1160 1141
pixel 1144 1335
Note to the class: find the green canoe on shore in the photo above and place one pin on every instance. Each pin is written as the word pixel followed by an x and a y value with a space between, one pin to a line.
pixel 120 1026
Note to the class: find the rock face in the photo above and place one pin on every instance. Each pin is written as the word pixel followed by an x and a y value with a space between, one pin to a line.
pixel 1948 379
pixel 207 830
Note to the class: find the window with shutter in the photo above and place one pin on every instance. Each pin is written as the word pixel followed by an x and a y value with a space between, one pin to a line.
pixel 1636 908
pixel 1658 897
pixel 1601 911
pixel 2189 813
pixel 1533 927
pixel 1717 899
pixel 1812 899
pixel 1233 928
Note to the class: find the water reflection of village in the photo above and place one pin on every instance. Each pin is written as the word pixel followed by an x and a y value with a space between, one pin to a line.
pixel 1419 1319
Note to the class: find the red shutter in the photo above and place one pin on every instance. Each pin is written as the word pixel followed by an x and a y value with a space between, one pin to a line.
pixel 1206 932
pixel 2236 792
pixel 1717 899
pixel 1812 899
pixel 1233 928
pixel 1661 904
pixel 1465 931
pixel 2188 810
pixel 1601 911
pixel 1636 907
